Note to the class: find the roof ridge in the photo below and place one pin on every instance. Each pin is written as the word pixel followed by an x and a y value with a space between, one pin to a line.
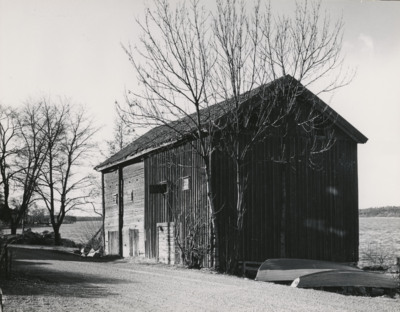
pixel 164 134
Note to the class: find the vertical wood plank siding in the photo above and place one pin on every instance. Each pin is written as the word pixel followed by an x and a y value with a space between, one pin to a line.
pixel 320 220
pixel 123 200
pixel 111 218
pixel 183 207
pixel 133 200
pixel 293 210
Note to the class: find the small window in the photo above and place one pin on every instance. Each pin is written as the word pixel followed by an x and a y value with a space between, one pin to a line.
pixel 160 188
pixel 132 196
pixel 116 198
pixel 186 184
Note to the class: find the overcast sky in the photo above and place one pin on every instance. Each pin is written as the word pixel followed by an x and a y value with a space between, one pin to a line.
pixel 73 48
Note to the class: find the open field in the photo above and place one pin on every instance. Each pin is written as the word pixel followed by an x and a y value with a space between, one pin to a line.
pixel 378 235
pixel 79 232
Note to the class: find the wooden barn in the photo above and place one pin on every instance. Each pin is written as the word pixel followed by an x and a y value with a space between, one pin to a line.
pixel 154 196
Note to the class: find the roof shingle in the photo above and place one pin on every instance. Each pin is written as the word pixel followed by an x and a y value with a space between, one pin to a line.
pixel 178 130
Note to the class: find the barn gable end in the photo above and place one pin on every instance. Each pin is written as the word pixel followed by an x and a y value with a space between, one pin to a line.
pixel 293 210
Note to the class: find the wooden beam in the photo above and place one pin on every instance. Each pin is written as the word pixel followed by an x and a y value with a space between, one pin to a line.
pixel 120 209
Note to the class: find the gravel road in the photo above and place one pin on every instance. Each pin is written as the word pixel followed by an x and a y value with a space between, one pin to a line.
pixel 53 281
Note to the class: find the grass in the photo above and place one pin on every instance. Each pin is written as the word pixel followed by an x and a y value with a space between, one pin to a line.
pixel 379 241
pixel 379 238
pixel 81 232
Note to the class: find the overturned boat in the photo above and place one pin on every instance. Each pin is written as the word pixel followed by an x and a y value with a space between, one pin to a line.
pixel 345 278
pixel 284 270
pixel 325 275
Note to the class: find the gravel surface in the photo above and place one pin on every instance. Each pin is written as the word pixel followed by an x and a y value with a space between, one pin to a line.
pixel 52 281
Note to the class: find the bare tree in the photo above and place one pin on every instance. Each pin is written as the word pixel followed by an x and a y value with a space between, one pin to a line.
pixel 123 134
pixel 175 75
pixel 257 63
pixel 259 54
pixel 23 151
pixel 94 199
pixel 8 150
pixel 37 215
pixel 63 185
pixel 235 72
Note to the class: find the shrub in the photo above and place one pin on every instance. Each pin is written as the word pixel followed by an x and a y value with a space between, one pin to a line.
pixel 375 257
pixel 91 236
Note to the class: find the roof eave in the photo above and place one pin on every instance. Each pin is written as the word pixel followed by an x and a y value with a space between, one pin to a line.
pixel 133 156
pixel 341 122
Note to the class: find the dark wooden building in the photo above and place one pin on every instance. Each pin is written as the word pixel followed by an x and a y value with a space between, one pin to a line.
pixel 154 193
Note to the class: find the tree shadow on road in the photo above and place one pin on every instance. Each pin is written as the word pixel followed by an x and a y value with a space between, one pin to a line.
pixel 27 285
pixel 34 274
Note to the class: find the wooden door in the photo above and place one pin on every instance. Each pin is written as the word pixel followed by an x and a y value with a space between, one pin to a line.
pixel 113 243
pixel 133 243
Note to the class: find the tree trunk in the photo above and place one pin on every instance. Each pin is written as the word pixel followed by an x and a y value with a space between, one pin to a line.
pixel 283 214
pixel 14 227
pixel 239 215
pixel 57 235
pixel 214 261
pixel 14 222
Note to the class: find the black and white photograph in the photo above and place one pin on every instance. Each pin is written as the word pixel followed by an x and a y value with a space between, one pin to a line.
pixel 199 155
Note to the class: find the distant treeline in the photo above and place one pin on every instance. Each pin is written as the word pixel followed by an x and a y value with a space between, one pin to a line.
pixel 39 219
pixel 92 218
pixel 388 211
pixel 45 219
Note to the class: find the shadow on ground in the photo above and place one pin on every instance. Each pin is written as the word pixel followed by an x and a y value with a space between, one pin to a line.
pixel 34 273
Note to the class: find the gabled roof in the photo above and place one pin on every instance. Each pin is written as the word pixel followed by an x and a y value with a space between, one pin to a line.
pixel 178 130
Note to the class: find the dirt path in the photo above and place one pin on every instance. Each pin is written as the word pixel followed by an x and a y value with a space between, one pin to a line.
pixel 51 281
